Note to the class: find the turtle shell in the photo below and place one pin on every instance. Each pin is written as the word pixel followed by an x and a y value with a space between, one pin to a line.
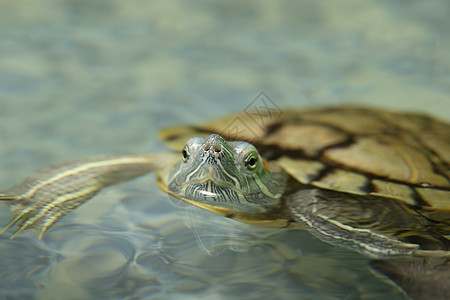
pixel 404 156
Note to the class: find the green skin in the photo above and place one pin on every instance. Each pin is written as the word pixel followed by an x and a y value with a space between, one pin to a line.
pixel 231 179
pixel 230 175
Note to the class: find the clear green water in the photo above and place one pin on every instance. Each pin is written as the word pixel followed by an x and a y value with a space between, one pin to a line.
pixel 79 78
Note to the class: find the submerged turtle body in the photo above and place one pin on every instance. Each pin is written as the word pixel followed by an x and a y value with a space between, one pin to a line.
pixel 371 180
pixel 365 169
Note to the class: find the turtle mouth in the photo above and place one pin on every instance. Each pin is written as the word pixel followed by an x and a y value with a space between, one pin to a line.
pixel 211 175
pixel 213 186
pixel 225 195
pixel 209 190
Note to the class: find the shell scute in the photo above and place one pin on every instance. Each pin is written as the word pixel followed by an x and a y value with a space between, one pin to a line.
pixel 404 156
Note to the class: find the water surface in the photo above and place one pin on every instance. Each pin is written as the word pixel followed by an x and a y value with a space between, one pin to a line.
pixel 80 78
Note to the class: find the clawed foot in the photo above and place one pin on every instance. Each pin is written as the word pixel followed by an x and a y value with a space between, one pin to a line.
pixel 27 214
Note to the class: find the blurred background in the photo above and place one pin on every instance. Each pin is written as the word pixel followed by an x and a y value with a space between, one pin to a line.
pixel 80 78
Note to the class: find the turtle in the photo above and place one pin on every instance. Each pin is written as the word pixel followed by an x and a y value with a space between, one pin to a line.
pixel 372 180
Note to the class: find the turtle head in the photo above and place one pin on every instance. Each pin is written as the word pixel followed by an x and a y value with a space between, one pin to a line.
pixel 230 175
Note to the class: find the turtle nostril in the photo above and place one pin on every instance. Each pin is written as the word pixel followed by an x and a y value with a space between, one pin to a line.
pixel 217 147
pixel 207 146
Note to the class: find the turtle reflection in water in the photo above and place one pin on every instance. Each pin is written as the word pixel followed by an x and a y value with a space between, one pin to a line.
pixel 371 180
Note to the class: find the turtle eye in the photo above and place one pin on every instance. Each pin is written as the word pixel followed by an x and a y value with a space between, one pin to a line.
pixel 185 153
pixel 251 160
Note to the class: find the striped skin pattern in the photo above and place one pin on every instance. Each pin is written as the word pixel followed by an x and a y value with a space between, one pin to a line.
pixel 395 166
pixel 40 201
pixel 404 156
pixel 371 180
pixel 231 175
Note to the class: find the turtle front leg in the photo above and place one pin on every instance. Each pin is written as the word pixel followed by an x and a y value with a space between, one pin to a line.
pixel 40 201
pixel 367 224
